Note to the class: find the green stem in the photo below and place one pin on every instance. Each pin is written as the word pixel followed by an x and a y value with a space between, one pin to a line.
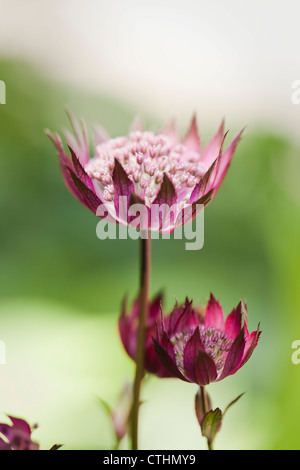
pixel 206 409
pixel 139 374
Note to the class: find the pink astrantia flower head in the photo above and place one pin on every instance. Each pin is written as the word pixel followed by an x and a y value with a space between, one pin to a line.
pixel 203 348
pixel 151 169
pixel 128 328
pixel 17 435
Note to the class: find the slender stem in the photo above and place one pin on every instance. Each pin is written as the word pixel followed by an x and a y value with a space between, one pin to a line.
pixel 206 407
pixel 139 374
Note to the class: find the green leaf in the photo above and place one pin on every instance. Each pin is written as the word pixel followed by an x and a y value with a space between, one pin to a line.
pixel 232 403
pixel 106 406
pixel 211 425
pixel 56 446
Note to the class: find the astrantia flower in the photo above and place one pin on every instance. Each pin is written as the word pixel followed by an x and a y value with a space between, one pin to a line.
pixel 145 168
pixel 204 348
pixel 128 327
pixel 16 436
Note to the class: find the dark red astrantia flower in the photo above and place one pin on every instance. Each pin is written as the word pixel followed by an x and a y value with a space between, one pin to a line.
pixel 16 436
pixel 128 328
pixel 204 347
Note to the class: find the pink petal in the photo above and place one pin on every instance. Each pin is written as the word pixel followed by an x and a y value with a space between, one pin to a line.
pixel 192 139
pixel 225 161
pixel 181 318
pixel 171 131
pixel 101 135
pixel 234 356
pixel 80 144
pixel 250 344
pixel 137 124
pixel 200 188
pixel 233 322
pixel 214 314
pixel 212 150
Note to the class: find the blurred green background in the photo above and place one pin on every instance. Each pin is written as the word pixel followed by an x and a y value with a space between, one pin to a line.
pixel 61 287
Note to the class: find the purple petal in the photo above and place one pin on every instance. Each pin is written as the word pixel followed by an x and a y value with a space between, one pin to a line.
pixel 4 445
pixel 163 215
pixel 214 314
pixel 65 166
pixel 7 431
pixel 127 332
pixel 124 189
pixel 80 172
pixel 234 356
pixel 205 369
pixel 168 360
pixel 21 425
pixel 190 354
pixel 167 193
pixel 90 199
pixel 155 308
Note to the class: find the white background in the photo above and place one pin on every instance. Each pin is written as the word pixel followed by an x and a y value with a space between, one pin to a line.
pixel 231 58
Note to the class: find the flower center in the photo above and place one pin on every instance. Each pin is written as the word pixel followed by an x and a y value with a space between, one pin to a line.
pixel 216 344
pixel 146 157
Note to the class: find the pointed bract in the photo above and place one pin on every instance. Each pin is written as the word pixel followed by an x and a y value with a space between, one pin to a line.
pixel 214 315
pixel 192 139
